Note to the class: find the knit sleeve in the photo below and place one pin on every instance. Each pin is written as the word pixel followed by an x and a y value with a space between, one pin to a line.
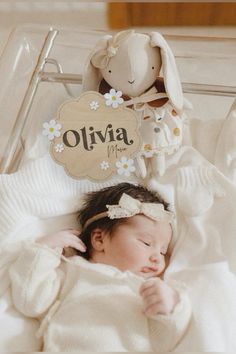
pixel 196 189
pixel 35 279
pixel 167 330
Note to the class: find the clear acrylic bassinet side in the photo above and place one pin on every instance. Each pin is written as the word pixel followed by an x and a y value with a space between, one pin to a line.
pixel 26 57
pixel 206 66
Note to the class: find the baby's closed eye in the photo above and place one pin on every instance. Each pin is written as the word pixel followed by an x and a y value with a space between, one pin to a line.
pixel 146 243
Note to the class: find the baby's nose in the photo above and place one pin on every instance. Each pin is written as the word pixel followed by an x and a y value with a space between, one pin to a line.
pixel 154 258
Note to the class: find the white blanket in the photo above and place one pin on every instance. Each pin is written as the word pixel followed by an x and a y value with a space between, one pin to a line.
pixel 41 198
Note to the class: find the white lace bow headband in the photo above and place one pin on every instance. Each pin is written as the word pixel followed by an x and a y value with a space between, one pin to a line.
pixel 129 206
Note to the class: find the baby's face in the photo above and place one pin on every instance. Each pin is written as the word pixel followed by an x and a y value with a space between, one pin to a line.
pixel 139 245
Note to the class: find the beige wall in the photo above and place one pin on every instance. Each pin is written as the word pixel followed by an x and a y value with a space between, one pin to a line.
pixel 61 13
pixel 89 14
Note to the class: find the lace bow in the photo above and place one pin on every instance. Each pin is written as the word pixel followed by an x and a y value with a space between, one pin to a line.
pixel 129 206
pixel 102 57
pixel 149 96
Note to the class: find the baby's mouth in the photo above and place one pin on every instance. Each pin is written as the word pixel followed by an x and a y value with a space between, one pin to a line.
pixel 152 269
pixel 149 272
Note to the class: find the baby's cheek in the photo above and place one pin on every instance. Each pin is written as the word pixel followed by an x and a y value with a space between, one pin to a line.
pixel 132 256
pixel 122 252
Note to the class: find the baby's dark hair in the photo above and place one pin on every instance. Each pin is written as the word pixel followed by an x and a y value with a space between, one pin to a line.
pixel 95 203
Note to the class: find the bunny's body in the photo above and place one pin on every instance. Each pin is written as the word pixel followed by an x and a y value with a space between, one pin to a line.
pixel 131 63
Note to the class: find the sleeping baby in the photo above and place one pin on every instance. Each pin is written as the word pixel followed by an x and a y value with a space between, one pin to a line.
pixel 111 296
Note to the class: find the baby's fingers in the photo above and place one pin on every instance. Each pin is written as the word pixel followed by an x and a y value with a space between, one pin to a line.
pixel 76 243
pixel 150 300
pixel 147 292
pixel 75 232
pixel 154 309
pixel 148 284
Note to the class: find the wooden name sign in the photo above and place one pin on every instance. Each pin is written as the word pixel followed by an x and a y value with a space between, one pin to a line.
pixel 94 136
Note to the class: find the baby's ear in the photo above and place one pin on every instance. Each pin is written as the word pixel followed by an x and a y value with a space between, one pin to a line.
pixel 97 239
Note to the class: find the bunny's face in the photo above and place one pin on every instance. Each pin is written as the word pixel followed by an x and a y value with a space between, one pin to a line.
pixel 131 62
pixel 135 67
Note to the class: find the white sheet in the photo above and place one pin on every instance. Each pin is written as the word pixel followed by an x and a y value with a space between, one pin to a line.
pixel 203 256
pixel 204 259
pixel 225 154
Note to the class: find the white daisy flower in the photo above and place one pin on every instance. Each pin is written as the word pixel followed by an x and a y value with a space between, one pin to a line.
pixel 94 105
pixel 113 98
pixel 104 165
pixel 125 166
pixel 51 129
pixel 59 147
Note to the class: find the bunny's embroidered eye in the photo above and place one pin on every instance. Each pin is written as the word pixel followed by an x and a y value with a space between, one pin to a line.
pixel 109 71
pixel 153 68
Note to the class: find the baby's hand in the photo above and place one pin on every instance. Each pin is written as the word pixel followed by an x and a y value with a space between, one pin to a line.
pixel 158 297
pixel 63 239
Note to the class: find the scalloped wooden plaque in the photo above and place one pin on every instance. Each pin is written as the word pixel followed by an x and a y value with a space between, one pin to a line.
pixel 96 140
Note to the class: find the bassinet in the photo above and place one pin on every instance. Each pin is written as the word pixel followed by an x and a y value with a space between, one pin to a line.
pixel 37 61
pixel 40 68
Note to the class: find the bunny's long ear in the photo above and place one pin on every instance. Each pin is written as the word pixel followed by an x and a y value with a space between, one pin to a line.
pixel 170 72
pixel 92 76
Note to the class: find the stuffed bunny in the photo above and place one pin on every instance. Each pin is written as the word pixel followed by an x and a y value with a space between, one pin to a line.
pixel 131 62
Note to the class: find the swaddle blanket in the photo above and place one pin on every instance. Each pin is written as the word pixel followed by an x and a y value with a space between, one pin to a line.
pixel 113 317
pixel 202 256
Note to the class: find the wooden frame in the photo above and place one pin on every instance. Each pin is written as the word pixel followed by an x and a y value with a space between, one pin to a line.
pixel 128 14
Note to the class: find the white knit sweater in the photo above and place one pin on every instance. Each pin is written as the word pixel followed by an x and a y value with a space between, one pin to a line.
pixel 90 307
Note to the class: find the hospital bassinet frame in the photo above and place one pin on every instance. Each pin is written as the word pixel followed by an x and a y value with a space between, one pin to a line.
pixel 15 146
